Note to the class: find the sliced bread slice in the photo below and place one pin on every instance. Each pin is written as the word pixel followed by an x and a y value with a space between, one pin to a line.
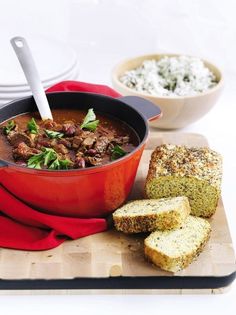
pixel 176 249
pixel 151 214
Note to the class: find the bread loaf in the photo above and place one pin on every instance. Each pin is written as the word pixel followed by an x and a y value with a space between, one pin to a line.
pixel 181 171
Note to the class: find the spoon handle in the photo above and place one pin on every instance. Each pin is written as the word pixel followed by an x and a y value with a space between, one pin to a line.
pixel 31 73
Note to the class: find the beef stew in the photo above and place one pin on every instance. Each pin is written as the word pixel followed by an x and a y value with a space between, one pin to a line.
pixel 74 139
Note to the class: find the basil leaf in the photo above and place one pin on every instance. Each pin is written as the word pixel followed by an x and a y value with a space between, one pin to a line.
pixel 117 152
pixel 32 126
pixel 54 134
pixel 90 121
pixel 9 127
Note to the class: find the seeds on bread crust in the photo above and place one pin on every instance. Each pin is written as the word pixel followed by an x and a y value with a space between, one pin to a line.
pixel 150 214
pixel 182 171
pixel 176 249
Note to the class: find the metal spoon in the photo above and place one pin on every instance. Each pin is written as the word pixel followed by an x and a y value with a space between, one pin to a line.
pixel 32 76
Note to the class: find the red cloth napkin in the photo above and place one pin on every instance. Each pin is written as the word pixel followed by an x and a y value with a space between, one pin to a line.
pixel 70 86
pixel 22 227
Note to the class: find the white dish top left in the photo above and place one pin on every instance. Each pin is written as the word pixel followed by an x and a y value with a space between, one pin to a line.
pixel 53 59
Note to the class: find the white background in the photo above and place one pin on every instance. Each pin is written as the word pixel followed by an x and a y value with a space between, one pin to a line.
pixel 103 32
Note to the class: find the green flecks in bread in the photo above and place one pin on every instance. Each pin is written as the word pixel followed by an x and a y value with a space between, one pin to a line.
pixel 203 198
pixel 193 172
pixel 150 214
pixel 175 249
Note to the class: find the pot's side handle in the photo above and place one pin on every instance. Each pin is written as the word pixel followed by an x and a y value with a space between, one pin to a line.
pixel 147 108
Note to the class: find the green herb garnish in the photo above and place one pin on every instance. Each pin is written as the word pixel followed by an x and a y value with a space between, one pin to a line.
pixel 32 126
pixel 54 134
pixel 48 158
pixel 50 155
pixel 60 164
pixel 43 158
pixel 117 152
pixel 9 127
pixel 90 121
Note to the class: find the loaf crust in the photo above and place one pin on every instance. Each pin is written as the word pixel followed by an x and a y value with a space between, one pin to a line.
pixel 173 256
pixel 181 171
pixel 150 214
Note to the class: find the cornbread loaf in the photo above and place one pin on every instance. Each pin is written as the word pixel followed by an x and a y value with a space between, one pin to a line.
pixel 150 214
pixel 175 249
pixel 181 171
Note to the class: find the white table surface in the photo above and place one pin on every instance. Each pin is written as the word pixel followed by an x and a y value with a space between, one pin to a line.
pixel 76 21
pixel 219 127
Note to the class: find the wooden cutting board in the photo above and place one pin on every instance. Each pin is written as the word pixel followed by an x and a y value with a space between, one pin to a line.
pixel 114 261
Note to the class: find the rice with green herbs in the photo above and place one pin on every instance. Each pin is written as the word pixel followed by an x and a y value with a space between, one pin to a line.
pixel 170 76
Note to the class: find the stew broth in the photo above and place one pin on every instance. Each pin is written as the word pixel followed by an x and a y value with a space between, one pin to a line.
pixel 64 138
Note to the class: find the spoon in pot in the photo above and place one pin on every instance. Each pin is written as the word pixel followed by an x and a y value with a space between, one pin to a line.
pixel 32 76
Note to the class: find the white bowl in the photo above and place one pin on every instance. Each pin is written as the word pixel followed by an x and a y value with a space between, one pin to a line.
pixel 177 111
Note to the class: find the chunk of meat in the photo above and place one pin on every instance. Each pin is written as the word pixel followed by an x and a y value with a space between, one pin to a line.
pixel 80 154
pixel 78 131
pixel 77 140
pixel 24 152
pixel 121 140
pixel 101 144
pixel 89 141
pixel 46 142
pixel 51 125
pixel 66 141
pixel 60 148
pixel 16 137
pixel 84 134
pixel 69 128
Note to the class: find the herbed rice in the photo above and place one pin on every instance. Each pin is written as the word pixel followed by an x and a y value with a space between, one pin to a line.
pixel 170 76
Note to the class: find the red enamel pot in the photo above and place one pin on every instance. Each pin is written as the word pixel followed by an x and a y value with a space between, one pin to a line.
pixel 90 192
